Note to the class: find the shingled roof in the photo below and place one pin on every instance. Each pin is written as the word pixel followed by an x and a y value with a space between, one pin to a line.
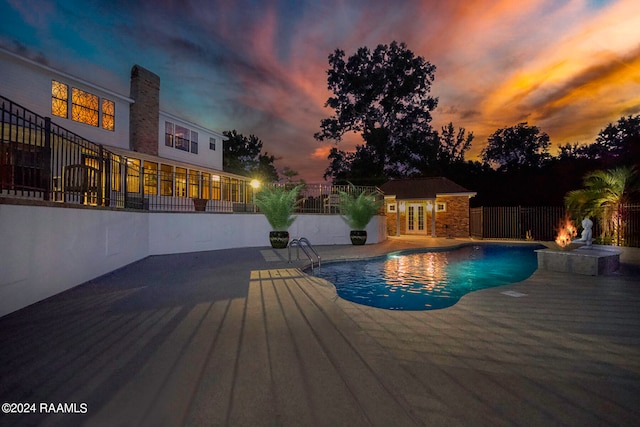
pixel 424 188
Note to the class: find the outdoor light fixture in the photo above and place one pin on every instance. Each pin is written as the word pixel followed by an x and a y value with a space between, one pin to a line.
pixel 255 184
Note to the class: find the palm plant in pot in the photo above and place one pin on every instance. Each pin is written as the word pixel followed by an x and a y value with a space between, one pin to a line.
pixel 278 204
pixel 357 211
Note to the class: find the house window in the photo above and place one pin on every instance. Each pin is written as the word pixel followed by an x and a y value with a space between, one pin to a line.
pixel 212 144
pixel 59 99
pixel 116 177
pixel 391 208
pixel 166 180
pixel 193 184
pixel 441 207
pixel 133 175
pixel 168 134
pixel 194 142
pixel 225 185
pixel 181 182
pixel 84 107
pixel 206 185
pixel 182 138
pixel 235 190
pixel 108 114
pixel 215 187
pixel 242 191
pixel 150 178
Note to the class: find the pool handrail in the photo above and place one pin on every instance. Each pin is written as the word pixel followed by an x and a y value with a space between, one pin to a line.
pixel 298 243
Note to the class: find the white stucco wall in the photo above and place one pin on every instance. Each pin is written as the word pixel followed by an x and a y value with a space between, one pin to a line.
pixel 46 250
pixel 191 232
pixel 28 84
pixel 205 157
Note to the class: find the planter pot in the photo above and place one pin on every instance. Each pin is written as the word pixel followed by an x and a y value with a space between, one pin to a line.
pixel 279 239
pixel 358 237
pixel 200 205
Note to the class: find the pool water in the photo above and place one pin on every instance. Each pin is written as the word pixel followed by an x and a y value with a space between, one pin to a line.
pixel 429 280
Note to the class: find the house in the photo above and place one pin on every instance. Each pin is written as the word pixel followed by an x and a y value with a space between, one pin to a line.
pixel 160 157
pixel 433 206
pixel 92 180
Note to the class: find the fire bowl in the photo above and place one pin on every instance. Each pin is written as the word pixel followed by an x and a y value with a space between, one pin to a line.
pixel 593 260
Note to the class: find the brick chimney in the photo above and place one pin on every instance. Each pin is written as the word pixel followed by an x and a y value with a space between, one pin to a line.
pixel 144 118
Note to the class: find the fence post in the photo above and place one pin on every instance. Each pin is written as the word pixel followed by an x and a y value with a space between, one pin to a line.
pixel 46 160
pixel 100 175
pixel 519 224
pixel 126 181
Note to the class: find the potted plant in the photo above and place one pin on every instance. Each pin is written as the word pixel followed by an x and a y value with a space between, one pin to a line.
pixel 200 205
pixel 277 204
pixel 357 211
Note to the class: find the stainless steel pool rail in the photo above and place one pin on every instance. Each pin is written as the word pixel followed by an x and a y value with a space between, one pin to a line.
pixel 304 244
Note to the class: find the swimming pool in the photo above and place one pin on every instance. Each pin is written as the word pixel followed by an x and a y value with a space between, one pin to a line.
pixel 429 280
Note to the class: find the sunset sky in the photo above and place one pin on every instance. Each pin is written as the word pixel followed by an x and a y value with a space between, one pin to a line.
pixel 259 66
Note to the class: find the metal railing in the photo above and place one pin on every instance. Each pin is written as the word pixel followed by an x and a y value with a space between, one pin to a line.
pixel 325 198
pixel 304 244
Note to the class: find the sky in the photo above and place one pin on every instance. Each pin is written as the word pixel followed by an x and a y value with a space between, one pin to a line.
pixel 569 67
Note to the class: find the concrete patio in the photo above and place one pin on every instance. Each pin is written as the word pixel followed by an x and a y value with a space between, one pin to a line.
pixel 241 337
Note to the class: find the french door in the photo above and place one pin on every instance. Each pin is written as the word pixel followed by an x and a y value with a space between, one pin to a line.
pixel 416 218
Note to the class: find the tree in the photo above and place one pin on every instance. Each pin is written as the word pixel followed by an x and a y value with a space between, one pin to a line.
pixel 572 151
pixel 517 147
pixel 617 144
pixel 384 96
pixel 290 174
pixel 265 171
pixel 453 145
pixel 243 156
pixel 620 142
pixel 603 195
pixel 339 165
pixel 359 167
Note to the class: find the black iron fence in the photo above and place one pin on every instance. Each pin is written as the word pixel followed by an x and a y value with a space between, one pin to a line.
pixel 43 161
pixel 515 222
pixel 542 223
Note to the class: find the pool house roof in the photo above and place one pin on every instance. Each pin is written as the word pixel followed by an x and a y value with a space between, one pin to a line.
pixel 424 188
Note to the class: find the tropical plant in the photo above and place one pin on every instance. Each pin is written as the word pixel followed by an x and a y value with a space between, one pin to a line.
pixel 603 198
pixel 357 210
pixel 278 203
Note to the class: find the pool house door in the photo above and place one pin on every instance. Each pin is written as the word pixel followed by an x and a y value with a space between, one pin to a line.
pixel 416 218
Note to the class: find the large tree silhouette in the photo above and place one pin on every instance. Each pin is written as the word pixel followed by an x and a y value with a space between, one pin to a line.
pixel 384 96
pixel 517 147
